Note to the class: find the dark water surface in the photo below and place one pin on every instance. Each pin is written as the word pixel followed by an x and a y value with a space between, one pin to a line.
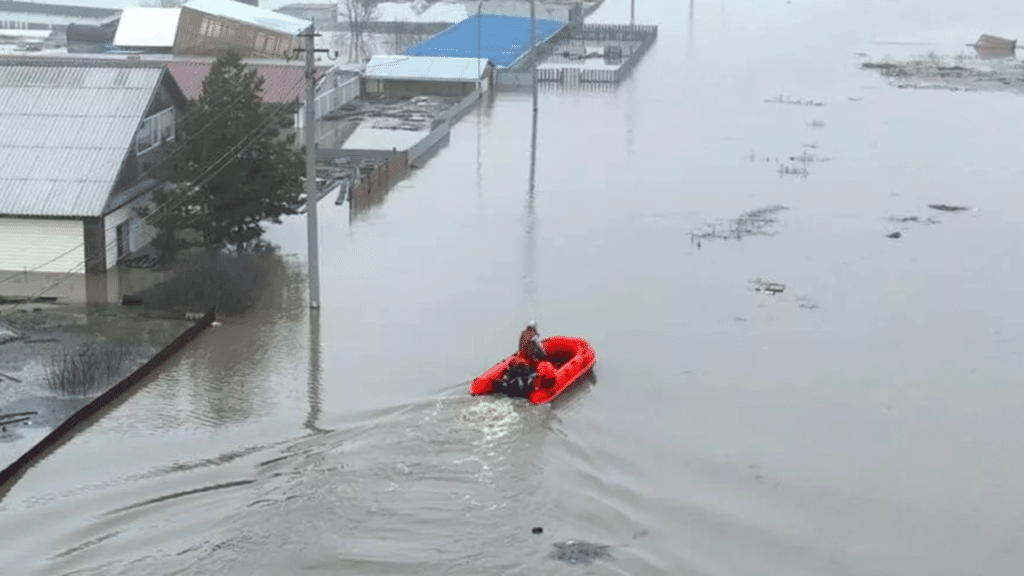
pixel 863 421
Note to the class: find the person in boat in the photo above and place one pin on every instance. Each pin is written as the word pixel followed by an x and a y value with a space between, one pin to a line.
pixel 531 349
pixel 529 363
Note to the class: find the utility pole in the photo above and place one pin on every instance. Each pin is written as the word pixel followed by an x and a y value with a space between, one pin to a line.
pixel 632 12
pixel 479 31
pixel 533 49
pixel 312 195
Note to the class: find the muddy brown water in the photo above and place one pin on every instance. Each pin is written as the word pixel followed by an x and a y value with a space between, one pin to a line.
pixel 863 421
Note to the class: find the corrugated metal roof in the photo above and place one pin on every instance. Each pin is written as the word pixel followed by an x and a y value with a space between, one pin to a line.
pixel 149 27
pixel 247 14
pixel 66 130
pixel 439 68
pixel 501 39
pixel 281 82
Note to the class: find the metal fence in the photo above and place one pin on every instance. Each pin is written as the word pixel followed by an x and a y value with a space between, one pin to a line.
pixel 637 40
pixel 330 101
pixel 441 128
pixel 455 112
pixel 614 32
pixel 418 150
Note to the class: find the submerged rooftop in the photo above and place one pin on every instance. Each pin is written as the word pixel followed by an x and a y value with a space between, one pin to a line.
pixel 503 40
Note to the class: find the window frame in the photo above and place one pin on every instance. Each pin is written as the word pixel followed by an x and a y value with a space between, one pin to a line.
pixel 155 130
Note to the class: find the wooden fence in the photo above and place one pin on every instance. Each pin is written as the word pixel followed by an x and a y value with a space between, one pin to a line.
pixel 374 185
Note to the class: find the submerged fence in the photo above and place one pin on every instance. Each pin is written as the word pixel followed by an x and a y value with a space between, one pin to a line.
pixel 634 42
pixel 376 180
pixel 440 129
pixel 117 392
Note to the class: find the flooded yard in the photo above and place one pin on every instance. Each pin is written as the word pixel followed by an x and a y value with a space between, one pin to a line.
pixel 782 385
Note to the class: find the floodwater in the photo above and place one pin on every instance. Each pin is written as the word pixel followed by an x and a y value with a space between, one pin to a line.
pixel 864 420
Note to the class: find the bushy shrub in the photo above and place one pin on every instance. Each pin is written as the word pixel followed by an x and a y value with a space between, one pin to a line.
pixel 90 369
pixel 231 281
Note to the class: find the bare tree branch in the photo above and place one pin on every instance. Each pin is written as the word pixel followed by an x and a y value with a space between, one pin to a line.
pixel 358 13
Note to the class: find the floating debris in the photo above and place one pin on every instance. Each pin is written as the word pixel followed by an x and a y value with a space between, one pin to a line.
pixel 537 530
pixel 782 99
pixel 994 47
pixel 579 552
pixel 816 123
pixel 16 418
pixel 8 333
pixel 957 73
pixel 895 69
pixel 905 219
pixel 9 377
pixel 793 170
pixel 806 303
pixel 948 208
pixel 753 223
pixel 393 112
pixel 894 235
pixel 807 158
pixel 767 287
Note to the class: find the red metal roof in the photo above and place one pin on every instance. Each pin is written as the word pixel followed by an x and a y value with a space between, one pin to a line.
pixel 281 82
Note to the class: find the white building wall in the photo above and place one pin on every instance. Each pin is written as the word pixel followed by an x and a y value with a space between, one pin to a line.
pixel 139 232
pixel 42 245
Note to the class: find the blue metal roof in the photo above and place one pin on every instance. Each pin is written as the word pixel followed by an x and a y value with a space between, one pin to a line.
pixel 504 39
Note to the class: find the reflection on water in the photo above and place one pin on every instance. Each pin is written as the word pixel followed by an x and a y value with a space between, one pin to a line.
pixel 315 403
pixel 630 89
pixel 689 33
pixel 479 159
pixel 530 251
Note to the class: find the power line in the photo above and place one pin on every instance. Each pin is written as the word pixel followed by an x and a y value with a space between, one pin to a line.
pixel 177 201
pixel 74 270
pixel 188 138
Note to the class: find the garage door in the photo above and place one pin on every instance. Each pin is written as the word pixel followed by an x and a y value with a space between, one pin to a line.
pixel 55 245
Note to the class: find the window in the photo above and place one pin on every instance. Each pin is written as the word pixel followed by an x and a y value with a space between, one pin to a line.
pixel 166 125
pixel 204 28
pixel 144 138
pixel 123 240
pixel 261 41
pixel 155 130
